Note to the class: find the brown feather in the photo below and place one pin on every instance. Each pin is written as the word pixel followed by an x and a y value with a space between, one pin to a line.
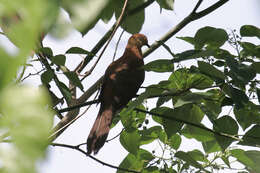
pixel 121 82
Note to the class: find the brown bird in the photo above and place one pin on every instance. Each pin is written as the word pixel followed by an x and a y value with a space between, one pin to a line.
pixel 122 80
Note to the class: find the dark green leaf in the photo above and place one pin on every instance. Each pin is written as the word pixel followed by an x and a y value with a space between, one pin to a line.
pixel 252 137
pixel 46 77
pixel 161 65
pixel 241 73
pixel 78 50
pixel 210 36
pixel 133 23
pixel 136 162
pixel 238 96
pixel 210 70
pixel 188 39
pixel 59 60
pixel 249 31
pixel 166 4
pixel 256 66
pixel 130 140
pixel 66 91
pixel 247 115
pixel 219 63
pixel 175 141
pixel 46 51
pixel 258 94
pixel 188 159
pixel 249 49
pixel 73 77
pixel 108 12
pixel 162 100
pixel 227 125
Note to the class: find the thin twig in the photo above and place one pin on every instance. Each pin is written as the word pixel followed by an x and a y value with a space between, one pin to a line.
pixel 197 6
pixel 108 140
pixel 76 147
pixel 117 43
pixel 119 20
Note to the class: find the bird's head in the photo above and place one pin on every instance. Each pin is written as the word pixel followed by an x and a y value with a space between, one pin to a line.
pixel 138 40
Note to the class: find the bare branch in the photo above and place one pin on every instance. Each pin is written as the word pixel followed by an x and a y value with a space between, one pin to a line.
pixel 76 147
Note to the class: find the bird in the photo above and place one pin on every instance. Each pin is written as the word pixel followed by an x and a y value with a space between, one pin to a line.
pixel 121 82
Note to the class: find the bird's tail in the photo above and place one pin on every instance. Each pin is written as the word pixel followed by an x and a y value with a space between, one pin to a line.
pixel 99 131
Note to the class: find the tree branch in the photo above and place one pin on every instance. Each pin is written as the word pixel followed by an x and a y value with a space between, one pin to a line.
pixel 77 147
pixel 189 123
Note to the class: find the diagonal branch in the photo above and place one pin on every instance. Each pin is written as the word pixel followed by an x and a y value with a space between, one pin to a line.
pixel 77 147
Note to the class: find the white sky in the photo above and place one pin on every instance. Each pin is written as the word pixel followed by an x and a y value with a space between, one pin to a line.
pixel 232 15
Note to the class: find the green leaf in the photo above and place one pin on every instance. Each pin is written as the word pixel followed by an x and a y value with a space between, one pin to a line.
pixel 66 91
pixel 211 146
pixel 188 159
pixel 84 14
pixel 249 49
pixel 133 23
pixel 210 36
pixel 132 119
pixel 183 79
pixel 247 115
pixel 175 141
pixel 248 158
pixel 187 39
pixel 46 51
pixel 249 31
pixel 151 90
pixel 130 140
pixel 46 77
pixel 166 4
pixel 59 60
pixel 192 98
pixel 198 155
pixel 161 65
pixel 238 96
pixel 149 135
pixel 210 70
pixel 73 77
pixel 256 66
pixel 108 12
pixel 171 127
pixel 227 125
pixel 252 137
pixel 78 50
pixel 28 128
pixel 136 162
pixel 199 134
pixel 241 73
pixel 193 54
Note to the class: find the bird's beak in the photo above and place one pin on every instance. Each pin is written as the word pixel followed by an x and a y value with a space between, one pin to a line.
pixel 147 45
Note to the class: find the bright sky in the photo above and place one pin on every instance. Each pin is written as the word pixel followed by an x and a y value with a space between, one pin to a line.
pixel 232 15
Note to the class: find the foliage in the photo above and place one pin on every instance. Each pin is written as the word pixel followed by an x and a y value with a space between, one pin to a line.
pixel 219 80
